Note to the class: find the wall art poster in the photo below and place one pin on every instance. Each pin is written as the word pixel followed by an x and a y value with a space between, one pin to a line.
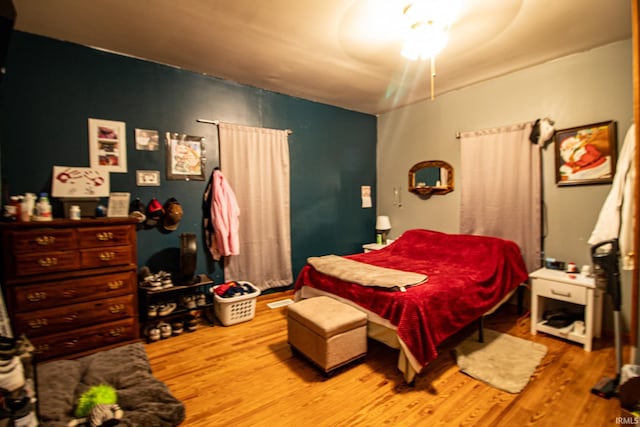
pixel 185 157
pixel 586 154
pixel 71 182
pixel 108 145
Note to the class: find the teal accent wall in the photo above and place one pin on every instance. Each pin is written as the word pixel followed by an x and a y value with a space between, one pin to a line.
pixel 51 88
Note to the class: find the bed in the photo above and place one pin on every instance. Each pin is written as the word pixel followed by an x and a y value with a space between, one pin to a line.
pixel 464 278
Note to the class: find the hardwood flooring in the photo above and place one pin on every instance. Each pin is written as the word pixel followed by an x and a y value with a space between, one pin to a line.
pixel 246 375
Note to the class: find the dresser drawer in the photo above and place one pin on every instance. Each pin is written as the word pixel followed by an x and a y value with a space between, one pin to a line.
pixel 96 237
pixel 63 292
pixel 561 291
pixel 42 322
pixel 84 339
pixel 27 264
pixel 43 240
pixel 106 257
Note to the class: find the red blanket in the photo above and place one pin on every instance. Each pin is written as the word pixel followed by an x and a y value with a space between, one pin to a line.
pixel 468 275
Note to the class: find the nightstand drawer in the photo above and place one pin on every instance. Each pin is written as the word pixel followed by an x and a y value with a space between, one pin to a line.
pixel 561 291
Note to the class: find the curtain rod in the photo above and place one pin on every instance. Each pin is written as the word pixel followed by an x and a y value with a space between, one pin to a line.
pixel 217 122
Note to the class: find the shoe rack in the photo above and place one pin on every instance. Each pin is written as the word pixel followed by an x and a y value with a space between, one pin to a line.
pixel 174 309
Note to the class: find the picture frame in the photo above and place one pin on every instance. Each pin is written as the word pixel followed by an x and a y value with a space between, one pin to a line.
pixel 108 145
pixel 586 154
pixel 147 178
pixel 185 157
pixel 118 205
pixel 147 140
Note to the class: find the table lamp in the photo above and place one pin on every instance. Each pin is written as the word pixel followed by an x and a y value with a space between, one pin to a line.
pixel 383 225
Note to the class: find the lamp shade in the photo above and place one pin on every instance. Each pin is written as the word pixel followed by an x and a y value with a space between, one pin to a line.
pixel 383 223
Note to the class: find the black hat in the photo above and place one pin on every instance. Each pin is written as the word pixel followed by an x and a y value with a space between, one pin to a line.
pixel 136 210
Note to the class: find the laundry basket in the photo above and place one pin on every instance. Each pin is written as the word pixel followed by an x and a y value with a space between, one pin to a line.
pixel 237 309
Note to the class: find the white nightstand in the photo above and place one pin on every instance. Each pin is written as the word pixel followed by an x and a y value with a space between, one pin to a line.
pixel 572 288
pixel 375 246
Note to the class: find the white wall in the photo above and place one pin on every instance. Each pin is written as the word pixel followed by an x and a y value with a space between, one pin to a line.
pixel 580 89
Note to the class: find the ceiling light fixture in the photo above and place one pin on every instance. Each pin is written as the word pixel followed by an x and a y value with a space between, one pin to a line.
pixel 427 33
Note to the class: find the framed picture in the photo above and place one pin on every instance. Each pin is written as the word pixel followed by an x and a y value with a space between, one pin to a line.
pixel 147 140
pixel 118 205
pixel 185 157
pixel 586 154
pixel 147 178
pixel 108 145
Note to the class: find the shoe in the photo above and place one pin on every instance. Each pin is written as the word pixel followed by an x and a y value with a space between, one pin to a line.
pixel 191 323
pixel 153 333
pixel 152 310
pixel 201 300
pixel 166 309
pixel 188 301
pixel 165 329
pixel 177 326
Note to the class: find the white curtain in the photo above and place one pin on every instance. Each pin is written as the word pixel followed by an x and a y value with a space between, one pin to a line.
pixel 500 187
pixel 255 162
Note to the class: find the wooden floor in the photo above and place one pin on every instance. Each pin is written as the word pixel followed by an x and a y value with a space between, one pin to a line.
pixel 246 375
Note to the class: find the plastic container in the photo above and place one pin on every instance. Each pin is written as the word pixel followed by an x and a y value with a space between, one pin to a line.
pixel 74 212
pixel 43 208
pixel 235 309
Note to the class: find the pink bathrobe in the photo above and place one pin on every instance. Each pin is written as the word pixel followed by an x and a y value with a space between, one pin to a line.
pixel 224 216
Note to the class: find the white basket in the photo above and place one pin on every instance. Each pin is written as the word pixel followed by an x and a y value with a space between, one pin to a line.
pixel 235 309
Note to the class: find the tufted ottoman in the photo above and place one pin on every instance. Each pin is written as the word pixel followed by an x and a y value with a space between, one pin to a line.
pixel 327 331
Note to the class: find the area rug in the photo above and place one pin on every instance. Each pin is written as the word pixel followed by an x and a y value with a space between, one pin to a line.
pixel 502 361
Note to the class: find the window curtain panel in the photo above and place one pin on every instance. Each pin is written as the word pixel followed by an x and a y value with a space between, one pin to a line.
pixel 500 187
pixel 255 162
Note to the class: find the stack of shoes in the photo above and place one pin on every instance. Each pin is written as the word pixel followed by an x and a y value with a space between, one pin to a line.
pixel 191 323
pixel 160 280
pixel 177 326
pixel 165 309
pixel 189 302
pixel 162 309
pixel 165 329
pixel 201 300
pixel 153 333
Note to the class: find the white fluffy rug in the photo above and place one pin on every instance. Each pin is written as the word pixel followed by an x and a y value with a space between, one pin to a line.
pixel 502 361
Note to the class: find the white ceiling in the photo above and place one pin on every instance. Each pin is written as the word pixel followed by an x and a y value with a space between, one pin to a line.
pixel 340 52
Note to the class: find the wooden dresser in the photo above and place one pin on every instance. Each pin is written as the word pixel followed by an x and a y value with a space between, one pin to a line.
pixel 71 286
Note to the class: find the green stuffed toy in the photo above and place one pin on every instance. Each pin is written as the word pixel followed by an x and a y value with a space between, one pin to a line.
pixel 97 407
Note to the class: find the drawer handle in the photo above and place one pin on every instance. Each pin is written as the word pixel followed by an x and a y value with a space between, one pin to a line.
pixel 107 256
pixel 115 309
pixel 45 240
pixel 38 323
pixel 116 284
pixel 71 317
pixel 104 236
pixel 70 293
pixel 48 261
pixel 116 332
pixel 562 294
pixel 71 344
pixel 37 296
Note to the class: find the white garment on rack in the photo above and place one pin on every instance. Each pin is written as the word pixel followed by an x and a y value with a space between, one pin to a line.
pixel 616 216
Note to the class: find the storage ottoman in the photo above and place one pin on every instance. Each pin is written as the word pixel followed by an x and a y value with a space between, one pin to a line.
pixel 327 332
